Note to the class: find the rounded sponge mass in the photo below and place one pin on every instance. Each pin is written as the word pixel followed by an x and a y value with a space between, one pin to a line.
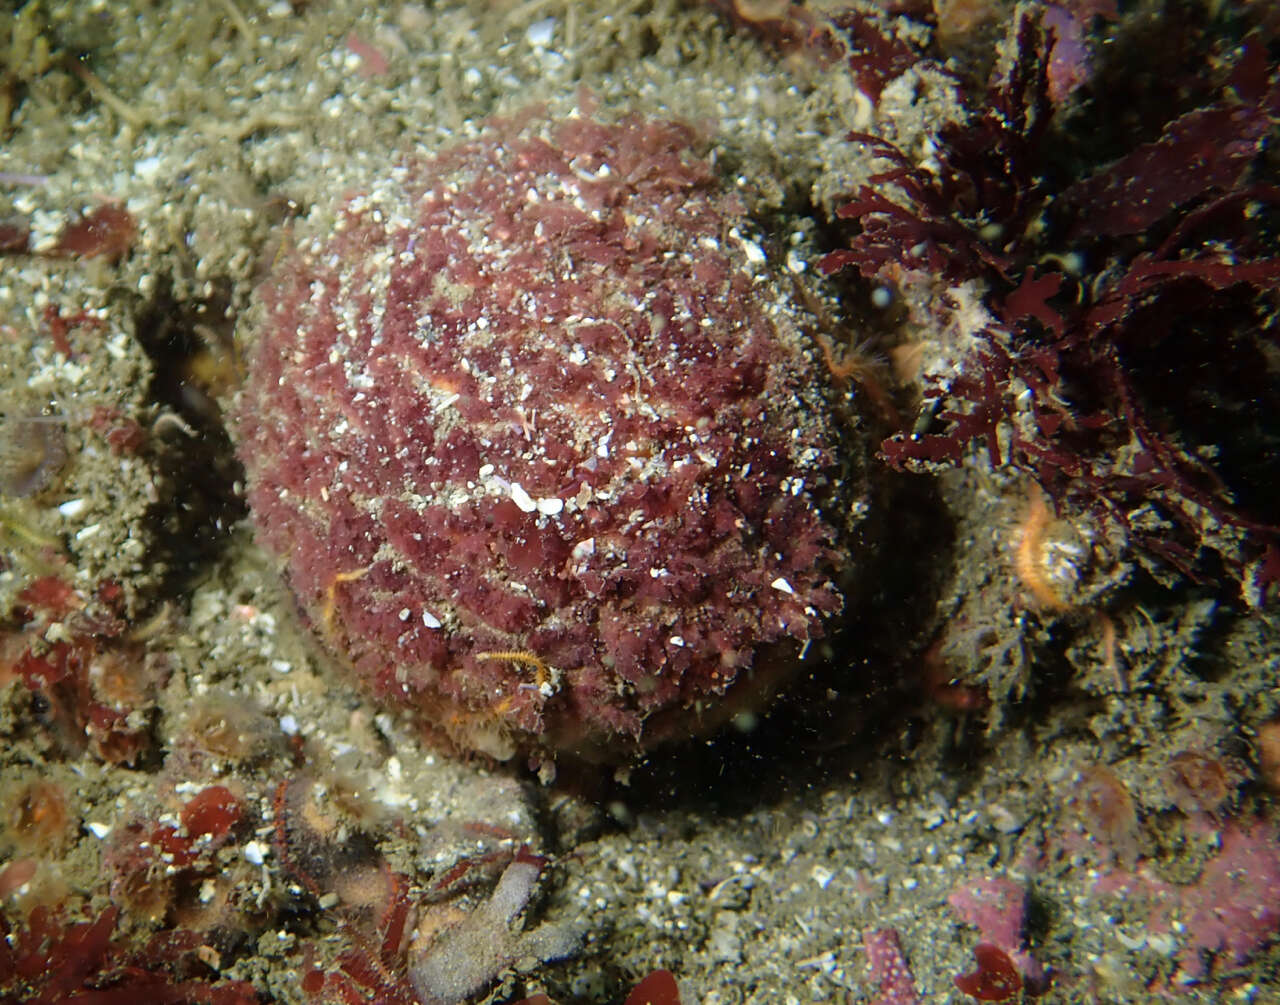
pixel 544 445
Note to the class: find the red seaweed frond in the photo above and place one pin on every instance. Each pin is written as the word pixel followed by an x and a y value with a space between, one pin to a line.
pixel 1111 387
pixel 995 980
pixel 49 960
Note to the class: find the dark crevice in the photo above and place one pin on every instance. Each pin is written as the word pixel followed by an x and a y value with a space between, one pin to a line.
pixel 191 348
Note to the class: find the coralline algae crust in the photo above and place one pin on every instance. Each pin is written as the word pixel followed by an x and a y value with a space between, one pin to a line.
pixel 543 446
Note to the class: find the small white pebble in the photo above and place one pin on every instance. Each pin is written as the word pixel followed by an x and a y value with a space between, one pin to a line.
pixel 289 725
pixel 430 620
pixel 98 830
pixel 540 33
pixel 1163 944
pixel 255 852
pixel 521 498
pixel 753 251
pixel 782 586
pixel 73 507
pixel 147 168
pixel 550 506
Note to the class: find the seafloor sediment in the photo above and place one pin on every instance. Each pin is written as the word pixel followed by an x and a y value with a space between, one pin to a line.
pixel 1078 771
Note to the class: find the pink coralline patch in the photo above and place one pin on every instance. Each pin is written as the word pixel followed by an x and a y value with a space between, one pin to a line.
pixel 890 972
pixel 997 907
pixel 1227 915
pixel 1233 910
pixel 544 446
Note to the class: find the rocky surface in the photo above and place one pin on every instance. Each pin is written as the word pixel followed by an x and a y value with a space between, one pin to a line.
pixel 1087 787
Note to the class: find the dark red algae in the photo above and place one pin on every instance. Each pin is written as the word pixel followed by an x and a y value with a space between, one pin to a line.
pixel 544 446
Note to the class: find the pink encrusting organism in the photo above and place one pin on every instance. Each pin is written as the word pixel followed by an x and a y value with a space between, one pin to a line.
pixel 890 972
pixel 544 444
pixel 997 907
pixel 1232 912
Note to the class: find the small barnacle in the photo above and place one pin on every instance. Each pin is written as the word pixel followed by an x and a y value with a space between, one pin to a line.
pixel 1267 744
pixel 37 816
pixel 139 877
pixel 1109 813
pixel 1201 783
pixel 123 677
pixel 33 450
pixel 366 887
pixel 351 789
pixel 225 725
pixel 148 893
pixel 217 901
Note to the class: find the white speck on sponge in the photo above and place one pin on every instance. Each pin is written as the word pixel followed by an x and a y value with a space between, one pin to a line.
pixel 522 498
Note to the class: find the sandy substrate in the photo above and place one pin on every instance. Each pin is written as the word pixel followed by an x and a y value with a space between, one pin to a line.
pixel 754 865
